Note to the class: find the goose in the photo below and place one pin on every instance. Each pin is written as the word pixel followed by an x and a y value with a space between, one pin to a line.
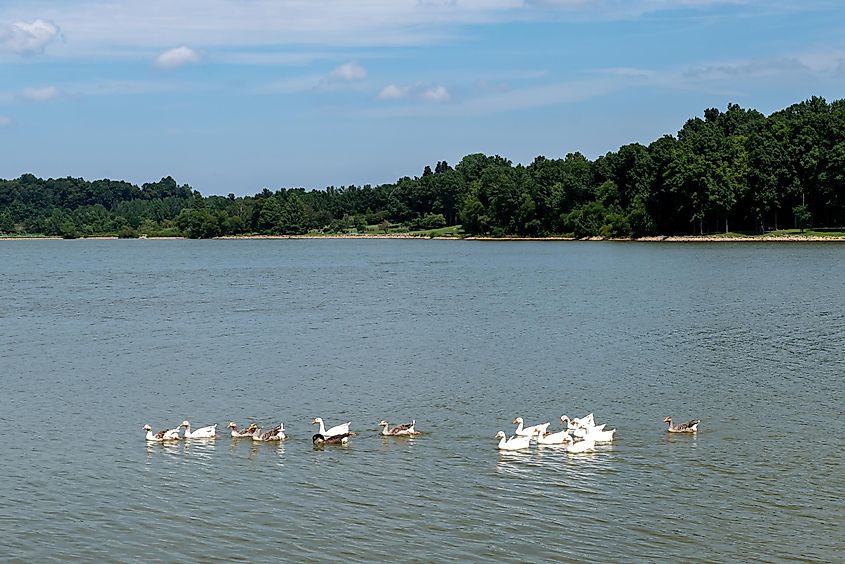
pixel 277 433
pixel 583 422
pixel 529 431
pixel 690 426
pixel 245 432
pixel 319 439
pixel 336 430
pixel 559 438
pixel 513 443
pixel 209 432
pixel 163 435
pixel 595 434
pixel 587 445
pixel 399 430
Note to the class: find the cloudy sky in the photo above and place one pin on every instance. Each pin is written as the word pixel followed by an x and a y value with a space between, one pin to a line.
pixel 238 95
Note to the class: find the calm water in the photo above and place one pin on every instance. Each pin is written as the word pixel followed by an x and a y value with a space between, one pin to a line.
pixel 100 337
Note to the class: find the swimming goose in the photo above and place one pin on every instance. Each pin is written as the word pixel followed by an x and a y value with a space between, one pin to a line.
pixel 277 433
pixel 245 432
pixel 690 426
pixel 319 439
pixel 529 431
pixel 399 430
pixel 513 443
pixel 581 423
pixel 163 435
pixel 336 430
pixel 209 432
pixel 594 434
pixel 559 438
pixel 587 445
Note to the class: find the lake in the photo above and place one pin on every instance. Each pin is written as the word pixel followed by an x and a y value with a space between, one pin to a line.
pixel 101 337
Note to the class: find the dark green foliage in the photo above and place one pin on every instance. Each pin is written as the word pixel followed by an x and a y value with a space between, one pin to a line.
pixel 735 169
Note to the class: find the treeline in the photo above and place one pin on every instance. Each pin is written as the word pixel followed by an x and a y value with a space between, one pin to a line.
pixel 732 170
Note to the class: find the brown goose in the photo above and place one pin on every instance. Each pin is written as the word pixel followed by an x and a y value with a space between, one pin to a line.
pixel 690 426
pixel 399 430
pixel 245 432
pixel 320 440
pixel 277 433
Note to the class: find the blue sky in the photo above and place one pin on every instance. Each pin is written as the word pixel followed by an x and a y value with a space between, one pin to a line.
pixel 239 95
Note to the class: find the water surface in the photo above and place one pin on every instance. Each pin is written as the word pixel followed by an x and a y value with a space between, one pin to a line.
pixel 100 337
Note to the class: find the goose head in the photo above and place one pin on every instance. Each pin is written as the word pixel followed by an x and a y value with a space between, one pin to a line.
pixel 500 435
pixel 564 419
pixel 667 419
pixel 517 421
pixel 317 421
pixel 232 425
pixel 184 423
pixel 383 423
pixel 147 427
pixel 318 439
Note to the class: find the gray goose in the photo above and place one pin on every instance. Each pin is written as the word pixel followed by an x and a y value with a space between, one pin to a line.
pixel 690 426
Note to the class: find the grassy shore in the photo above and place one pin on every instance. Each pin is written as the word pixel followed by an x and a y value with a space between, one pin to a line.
pixel 454 233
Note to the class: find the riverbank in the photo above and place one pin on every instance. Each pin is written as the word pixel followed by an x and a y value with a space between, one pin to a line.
pixel 790 238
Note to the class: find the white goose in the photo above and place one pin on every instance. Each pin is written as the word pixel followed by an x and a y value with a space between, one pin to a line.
pixel 594 434
pixel 513 443
pixel 587 445
pixel 336 430
pixel 163 435
pixel 559 438
pixel 529 431
pixel 209 432
pixel 581 423
pixel 277 433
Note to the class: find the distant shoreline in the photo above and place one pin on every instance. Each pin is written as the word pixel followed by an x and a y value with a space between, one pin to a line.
pixel 795 238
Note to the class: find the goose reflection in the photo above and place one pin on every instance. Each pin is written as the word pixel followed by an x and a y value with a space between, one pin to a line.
pixel 163 448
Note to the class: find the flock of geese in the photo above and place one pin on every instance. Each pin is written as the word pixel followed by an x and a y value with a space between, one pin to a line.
pixel 337 435
pixel 578 435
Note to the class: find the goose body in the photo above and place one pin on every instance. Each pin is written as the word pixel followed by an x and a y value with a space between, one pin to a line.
pixel 585 422
pixel 559 438
pixel 690 426
pixel 209 432
pixel 319 439
pixel 514 443
pixel 242 433
pixel 587 445
pixel 277 433
pixel 595 434
pixel 399 430
pixel 342 429
pixel 529 431
pixel 163 435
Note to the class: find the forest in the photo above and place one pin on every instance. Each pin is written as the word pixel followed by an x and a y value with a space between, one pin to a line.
pixel 736 170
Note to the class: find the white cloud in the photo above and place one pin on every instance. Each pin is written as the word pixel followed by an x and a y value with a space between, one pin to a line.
pixel 5 122
pixel 436 94
pixel 40 94
pixel 393 92
pixel 177 57
pixel 349 72
pixel 28 38
pixel 137 27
